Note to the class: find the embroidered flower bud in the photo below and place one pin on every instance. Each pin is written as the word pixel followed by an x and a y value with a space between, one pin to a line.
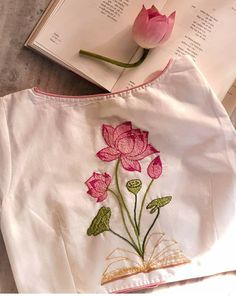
pixel 98 185
pixel 155 168
pixel 134 186
pixel 151 27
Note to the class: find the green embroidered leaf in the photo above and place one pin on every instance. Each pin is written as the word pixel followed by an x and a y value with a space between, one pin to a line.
pixel 153 210
pixel 134 185
pixel 158 203
pixel 100 222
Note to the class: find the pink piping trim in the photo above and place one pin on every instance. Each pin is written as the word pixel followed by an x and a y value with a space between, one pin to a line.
pixel 149 286
pixel 37 91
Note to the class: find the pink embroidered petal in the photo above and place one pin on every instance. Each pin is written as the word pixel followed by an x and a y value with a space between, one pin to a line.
pixel 155 168
pixel 94 193
pixel 108 134
pixel 97 176
pixel 97 195
pixel 126 145
pixel 122 136
pixel 89 184
pixel 99 185
pixel 130 165
pixel 108 154
pixel 148 151
pixel 145 136
pixel 102 197
pixel 140 145
pixel 107 179
pixel 122 128
pixel 90 180
pixel 136 131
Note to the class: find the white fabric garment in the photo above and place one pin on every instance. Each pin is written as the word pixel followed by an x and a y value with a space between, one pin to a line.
pixel 70 220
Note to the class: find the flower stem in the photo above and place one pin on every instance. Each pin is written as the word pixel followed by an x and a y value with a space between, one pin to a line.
pixel 135 214
pixel 127 241
pixel 115 62
pixel 123 218
pixel 143 201
pixel 124 205
pixel 150 228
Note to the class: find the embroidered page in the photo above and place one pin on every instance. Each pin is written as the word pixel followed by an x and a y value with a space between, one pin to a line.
pixel 101 26
pixel 203 29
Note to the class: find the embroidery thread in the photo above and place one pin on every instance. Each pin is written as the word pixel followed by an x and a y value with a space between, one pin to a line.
pixel 150 251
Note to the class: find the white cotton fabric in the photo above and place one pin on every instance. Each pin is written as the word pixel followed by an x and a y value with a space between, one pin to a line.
pixel 48 147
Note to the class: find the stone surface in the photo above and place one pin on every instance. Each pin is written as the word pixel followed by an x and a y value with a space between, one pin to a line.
pixel 7 283
pixel 21 67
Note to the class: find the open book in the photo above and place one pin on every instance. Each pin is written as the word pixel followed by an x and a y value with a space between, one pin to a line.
pixel 203 29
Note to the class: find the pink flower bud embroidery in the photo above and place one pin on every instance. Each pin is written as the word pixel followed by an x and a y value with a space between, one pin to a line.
pixel 151 27
pixel 98 185
pixel 155 168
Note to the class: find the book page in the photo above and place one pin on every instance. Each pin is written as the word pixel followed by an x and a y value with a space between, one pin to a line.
pixel 100 26
pixel 229 103
pixel 203 29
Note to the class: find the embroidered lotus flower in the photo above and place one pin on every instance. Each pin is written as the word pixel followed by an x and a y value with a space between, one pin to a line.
pixel 98 185
pixel 151 27
pixel 155 168
pixel 126 144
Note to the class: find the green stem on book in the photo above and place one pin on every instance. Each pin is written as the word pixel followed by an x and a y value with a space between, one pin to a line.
pixel 126 240
pixel 135 213
pixel 142 205
pixel 115 62
pixel 125 207
pixel 123 218
pixel 150 228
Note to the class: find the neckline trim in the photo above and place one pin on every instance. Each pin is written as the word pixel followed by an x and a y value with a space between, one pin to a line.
pixel 40 94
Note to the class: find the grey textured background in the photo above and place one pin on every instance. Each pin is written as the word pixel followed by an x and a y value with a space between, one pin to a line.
pixel 21 68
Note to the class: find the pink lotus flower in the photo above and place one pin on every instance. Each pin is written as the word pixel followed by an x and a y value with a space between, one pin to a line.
pixel 98 185
pixel 155 168
pixel 127 144
pixel 151 28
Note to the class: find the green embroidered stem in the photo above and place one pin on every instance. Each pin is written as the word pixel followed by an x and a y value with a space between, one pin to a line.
pixel 125 207
pixel 127 241
pixel 123 218
pixel 114 62
pixel 143 201
pixel 135 214
pixel 150 228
